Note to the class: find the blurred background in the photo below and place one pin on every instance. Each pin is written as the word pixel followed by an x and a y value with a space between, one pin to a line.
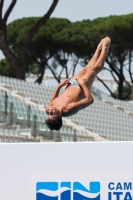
pixel 69 39
pixel 43 42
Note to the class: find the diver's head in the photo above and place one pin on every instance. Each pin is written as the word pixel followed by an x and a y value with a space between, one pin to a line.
pixel 54 121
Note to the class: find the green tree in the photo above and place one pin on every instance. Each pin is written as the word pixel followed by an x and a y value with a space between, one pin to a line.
pixel 119 58
pixel 17 63
pixel 60 41
pixel 126 91
pixel 43 47
pixel 72 42
pixel 4 68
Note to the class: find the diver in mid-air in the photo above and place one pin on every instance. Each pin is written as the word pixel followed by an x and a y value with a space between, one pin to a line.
pixel 76 95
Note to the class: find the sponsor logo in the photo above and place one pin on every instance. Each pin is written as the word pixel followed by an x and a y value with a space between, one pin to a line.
pixel 67 191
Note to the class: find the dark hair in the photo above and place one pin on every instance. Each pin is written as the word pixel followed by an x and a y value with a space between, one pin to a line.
pixel 55 123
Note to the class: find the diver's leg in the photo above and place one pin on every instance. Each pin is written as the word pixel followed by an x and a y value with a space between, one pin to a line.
pixel 93 60
pixel 93 69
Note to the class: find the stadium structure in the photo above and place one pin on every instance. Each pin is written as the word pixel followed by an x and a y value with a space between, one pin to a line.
pixel 22 116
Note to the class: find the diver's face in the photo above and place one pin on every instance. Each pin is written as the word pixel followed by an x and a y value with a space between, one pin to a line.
pixel 52 112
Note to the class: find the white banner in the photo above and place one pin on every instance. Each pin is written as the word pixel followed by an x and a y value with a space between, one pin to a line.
pixel 66 171
pixel 82 185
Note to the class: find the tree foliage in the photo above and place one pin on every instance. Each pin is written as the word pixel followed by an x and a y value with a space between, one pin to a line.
pixel 5 68
pixel 126 91
pixel 60 42
pixel 18 61
pixel 119 58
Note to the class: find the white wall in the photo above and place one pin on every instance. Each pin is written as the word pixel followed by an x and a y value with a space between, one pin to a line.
pixel 23 165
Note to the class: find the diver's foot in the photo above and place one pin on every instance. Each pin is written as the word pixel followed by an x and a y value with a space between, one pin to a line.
pixel 100 44
pixel 106 43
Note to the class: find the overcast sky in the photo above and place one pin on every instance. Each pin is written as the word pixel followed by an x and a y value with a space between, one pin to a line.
pixel 71 9
pixel 74 10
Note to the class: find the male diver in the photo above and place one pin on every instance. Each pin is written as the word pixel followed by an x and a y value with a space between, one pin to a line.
pixel 76 95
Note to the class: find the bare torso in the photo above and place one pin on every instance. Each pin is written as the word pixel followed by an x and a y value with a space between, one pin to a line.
pixel 72 94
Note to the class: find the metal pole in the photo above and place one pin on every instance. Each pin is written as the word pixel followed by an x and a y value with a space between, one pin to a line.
pixel 28 115
pixel 131 93
pixel 34 125
pixel 58 136
pixel 51 135
pixel 11 114
pixel 6 103
pixel 75 135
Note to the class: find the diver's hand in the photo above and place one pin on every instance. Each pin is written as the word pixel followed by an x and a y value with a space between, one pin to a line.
pixel 64 82
pixel 82 81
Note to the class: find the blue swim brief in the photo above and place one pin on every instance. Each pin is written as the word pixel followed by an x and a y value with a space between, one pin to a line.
pixel 73 82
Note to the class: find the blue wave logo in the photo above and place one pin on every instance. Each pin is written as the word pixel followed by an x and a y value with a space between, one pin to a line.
pixel 80 192
pixel 65 193
pixel 62 191
pixel 47 191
